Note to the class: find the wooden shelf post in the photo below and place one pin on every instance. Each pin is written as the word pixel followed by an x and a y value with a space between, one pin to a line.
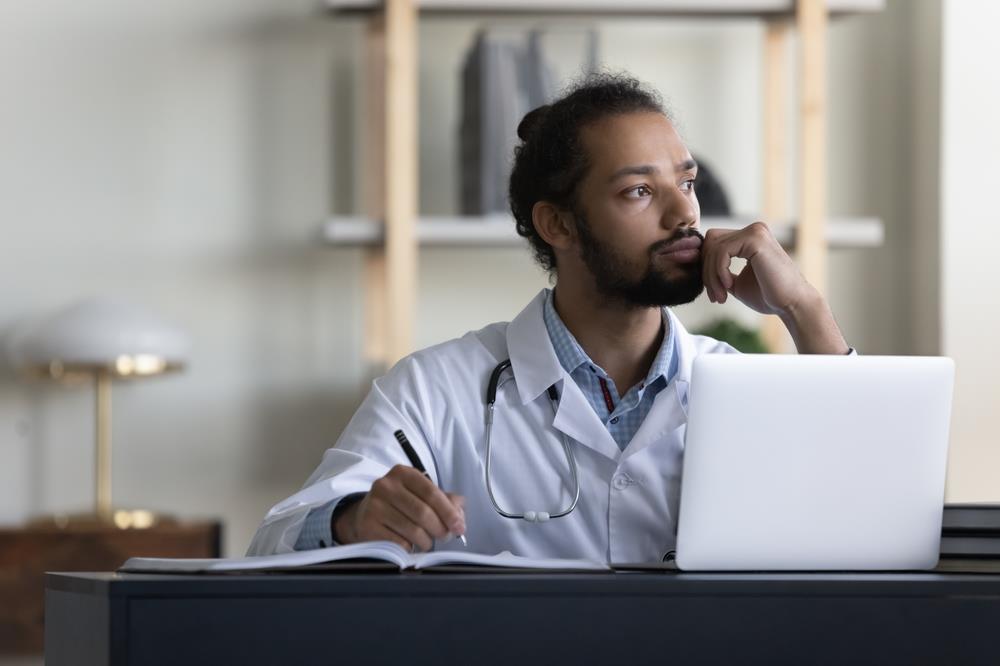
pixel 810 244
pixel 391 182
pixel 401 166
pixel 374 286
pixel 775 168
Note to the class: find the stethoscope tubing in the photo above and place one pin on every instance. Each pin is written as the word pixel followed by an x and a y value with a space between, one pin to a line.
pixel 491 395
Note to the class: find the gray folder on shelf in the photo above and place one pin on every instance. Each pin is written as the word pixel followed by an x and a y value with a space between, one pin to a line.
pixel 505 75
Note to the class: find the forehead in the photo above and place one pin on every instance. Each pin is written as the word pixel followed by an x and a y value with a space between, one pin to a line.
pixel 629 139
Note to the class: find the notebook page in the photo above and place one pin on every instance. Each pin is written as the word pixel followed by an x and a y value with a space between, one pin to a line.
pixel 505 559
pixel 377 550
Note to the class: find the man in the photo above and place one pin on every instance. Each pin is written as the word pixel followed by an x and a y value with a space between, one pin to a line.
pixel 582 456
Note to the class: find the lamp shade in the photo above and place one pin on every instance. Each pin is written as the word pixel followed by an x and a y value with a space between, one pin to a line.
pixel 120 337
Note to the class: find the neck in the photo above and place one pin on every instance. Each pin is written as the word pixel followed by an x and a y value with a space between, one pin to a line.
pixel 622 339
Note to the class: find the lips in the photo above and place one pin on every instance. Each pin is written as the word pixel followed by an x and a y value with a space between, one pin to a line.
pixel 691 243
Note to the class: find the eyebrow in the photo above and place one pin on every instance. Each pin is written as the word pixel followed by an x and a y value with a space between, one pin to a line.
pixel 647 169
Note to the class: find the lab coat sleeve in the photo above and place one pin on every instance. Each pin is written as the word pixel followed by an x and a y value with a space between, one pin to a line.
pixel 365 451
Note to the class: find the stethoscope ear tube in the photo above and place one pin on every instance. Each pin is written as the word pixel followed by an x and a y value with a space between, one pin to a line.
pixel 530 516
pixel 491 388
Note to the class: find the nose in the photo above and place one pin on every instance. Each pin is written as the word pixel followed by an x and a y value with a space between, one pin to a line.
pixel 680 209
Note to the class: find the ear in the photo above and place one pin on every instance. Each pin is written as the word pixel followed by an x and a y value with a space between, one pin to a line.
pixel 554 225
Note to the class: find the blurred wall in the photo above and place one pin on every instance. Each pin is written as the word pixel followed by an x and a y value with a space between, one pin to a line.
pixel 970 235
pixel 180 154
pixel 184 154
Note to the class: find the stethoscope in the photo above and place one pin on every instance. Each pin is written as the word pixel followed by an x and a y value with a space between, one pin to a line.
pixel 491 398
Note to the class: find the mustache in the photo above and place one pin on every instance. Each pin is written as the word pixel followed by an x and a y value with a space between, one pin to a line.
pixel 680 234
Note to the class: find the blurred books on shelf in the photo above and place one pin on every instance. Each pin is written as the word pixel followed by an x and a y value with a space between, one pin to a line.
pixel 971 530
pixel 506 74
pixel 966 518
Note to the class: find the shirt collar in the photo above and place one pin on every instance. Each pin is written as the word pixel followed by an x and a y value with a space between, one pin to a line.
pixel 571 355
pixel 569 352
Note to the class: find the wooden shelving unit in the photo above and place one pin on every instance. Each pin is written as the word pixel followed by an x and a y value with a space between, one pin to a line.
pixel 663 8
pixel 394 232
pixel 498 231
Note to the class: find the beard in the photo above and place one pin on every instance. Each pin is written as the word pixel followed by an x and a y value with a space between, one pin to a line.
pixel 653 288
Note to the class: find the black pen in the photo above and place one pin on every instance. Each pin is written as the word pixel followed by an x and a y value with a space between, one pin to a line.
pixel 415 461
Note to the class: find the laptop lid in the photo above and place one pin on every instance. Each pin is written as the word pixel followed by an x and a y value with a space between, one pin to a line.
pixel 814 462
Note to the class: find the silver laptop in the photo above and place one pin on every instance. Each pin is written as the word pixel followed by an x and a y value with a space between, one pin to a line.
pixel 814 462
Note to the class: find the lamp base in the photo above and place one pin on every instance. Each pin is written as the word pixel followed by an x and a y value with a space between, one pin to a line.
pixel 125 519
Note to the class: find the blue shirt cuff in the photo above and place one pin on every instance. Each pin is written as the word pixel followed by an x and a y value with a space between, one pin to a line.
pixel 316 531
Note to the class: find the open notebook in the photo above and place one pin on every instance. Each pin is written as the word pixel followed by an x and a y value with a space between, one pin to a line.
pixel 385 551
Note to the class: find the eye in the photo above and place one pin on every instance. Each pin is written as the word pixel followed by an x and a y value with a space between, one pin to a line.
pixel 638 192
pixel 687 185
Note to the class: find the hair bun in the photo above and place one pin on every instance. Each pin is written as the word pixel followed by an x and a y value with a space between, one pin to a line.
pixel 532 121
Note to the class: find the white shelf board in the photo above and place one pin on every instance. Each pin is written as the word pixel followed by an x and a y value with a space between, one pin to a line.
pixel 498 231
pixel 623 7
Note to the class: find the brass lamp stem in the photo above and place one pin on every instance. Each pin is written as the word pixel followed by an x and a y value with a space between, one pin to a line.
pixel 103 464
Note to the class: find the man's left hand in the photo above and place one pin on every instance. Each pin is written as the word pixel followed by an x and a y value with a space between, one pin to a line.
pixel 770 283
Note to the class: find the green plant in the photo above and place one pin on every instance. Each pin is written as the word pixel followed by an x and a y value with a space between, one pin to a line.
pixel 742 338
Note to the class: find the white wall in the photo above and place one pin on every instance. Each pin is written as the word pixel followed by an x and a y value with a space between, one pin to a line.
pixel 970 234
pixel 178 154
pixel 185 153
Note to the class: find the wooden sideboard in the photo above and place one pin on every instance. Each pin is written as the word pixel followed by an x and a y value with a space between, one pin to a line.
pixel 26 553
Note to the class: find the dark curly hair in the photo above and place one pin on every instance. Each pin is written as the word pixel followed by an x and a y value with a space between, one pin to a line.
pixel 550 162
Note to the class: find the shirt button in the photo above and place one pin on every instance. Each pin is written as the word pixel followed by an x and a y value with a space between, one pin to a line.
pixel 621 482
pixel 614 420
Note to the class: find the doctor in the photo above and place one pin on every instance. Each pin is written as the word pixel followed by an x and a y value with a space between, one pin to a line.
pixel 588 428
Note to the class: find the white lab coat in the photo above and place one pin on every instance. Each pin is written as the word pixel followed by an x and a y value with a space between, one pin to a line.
pixel 627 510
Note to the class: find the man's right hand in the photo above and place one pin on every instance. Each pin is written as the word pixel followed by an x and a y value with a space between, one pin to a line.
pixel 403 506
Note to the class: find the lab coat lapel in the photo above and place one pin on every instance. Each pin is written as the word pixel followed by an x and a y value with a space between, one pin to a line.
pixel 536 367
pixel 577 419
pixel 532 358
pixel 686 351
pixel 665 416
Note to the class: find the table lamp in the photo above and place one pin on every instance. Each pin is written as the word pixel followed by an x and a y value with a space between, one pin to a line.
pixel 101 340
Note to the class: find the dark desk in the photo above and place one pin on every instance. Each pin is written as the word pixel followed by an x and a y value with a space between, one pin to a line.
pixel 623 618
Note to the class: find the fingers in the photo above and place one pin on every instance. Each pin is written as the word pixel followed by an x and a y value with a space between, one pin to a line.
pixel 720 248
pixel 404 506
pixel 380 519
pixel 383 533
pixel 458 501
pixel 404 526
pixel 444 512
pixel 716 271
pixel 419 510
pixel 715 263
